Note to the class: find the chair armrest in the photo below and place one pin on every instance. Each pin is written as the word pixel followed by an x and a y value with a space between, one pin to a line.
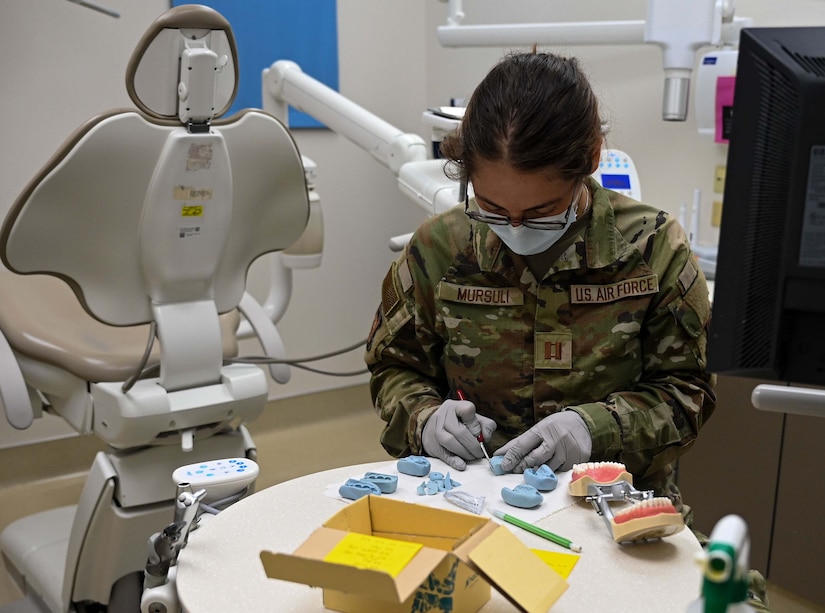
pixel 14 395
pixel 267 335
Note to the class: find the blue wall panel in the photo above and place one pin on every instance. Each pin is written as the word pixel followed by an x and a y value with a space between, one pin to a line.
pixel 304 31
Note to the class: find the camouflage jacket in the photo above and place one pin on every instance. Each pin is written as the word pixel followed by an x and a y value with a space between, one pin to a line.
pixel 616 330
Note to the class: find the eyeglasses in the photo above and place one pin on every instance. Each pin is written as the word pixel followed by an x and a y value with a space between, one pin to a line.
pixel 504 220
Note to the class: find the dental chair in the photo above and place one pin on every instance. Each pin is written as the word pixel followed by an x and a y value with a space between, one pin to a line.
pixel 124 286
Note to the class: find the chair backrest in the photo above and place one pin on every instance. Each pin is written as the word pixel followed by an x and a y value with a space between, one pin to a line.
pixel 147 212
pixel 87 218
pixel 136 208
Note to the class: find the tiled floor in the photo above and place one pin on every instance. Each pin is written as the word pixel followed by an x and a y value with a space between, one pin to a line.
pixel 294 437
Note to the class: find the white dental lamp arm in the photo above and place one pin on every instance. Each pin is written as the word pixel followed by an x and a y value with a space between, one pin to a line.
pixel 286 84
pixel 679 27
pixel 406 155
pixel 525 34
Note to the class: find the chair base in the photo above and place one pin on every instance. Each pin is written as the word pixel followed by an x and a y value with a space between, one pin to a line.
pixel 40 542
pixel 91 552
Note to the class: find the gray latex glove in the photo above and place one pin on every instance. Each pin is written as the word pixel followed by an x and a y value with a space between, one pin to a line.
pixel 447 435
pixel 559 440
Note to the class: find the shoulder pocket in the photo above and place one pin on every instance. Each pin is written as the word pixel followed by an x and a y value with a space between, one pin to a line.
pixel 692 310
pixel 394 309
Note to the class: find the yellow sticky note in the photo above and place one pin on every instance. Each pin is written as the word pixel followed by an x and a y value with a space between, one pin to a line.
pixel 562 563
pixel 373 552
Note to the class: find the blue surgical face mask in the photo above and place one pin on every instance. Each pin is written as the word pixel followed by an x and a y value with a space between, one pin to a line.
pixel 530 241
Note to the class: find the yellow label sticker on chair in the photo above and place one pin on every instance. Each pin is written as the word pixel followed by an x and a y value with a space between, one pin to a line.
pixel 373 552
pixel 562 563
pixel 191 210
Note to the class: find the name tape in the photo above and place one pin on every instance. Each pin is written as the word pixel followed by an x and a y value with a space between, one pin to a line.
pixel 497 296
pixel 597 294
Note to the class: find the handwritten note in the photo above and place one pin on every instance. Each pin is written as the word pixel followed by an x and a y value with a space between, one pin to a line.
pixel 373 552
pixel 562 563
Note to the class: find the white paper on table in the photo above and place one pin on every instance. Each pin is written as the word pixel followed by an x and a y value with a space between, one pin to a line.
pixel 476 480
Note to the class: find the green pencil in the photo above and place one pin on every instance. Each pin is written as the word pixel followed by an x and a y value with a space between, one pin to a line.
pixel 558 540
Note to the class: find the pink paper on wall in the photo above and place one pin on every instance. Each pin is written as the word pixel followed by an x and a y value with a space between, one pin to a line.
pixel 724 108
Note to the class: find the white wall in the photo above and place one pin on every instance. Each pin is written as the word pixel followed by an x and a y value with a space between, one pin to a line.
pixel 64 63
pixel 382 69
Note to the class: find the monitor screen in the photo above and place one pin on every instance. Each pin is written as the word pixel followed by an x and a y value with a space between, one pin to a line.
pixel 768 316
pixel 616 182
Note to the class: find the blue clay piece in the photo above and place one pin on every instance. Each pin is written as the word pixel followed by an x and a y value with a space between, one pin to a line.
pixel 385 483
pixel 495 465
pixel 542 478
pixel 415 465
pixel 428 488
pixel 437 480
pixel 354 489
pixel 522 496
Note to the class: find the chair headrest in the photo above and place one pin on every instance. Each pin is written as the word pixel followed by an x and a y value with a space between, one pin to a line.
pixel 192 36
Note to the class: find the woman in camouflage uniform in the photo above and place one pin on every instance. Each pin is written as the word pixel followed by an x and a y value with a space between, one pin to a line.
pixel 573 319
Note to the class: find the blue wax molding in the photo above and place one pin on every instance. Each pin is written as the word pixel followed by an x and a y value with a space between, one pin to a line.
pixel 522 496
pixel 542 478
pixel 385 483
pixel 427 488
pixel 415 465
pixel 495 465
pixel 438 482
pixel 438 478
pixel 357 488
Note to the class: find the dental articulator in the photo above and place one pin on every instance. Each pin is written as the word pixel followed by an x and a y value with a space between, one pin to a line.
pixel 642 516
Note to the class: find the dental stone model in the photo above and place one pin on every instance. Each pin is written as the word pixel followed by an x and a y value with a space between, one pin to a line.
pixel 495 465
pixel 415 465
pixel 354 489
pixel 542 478
pixel 522 496
pixel 386 483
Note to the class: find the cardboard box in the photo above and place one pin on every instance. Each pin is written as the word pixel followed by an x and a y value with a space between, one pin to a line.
pixel 460 558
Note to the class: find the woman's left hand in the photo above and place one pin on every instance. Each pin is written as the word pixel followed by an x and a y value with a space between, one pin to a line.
pixel 559 440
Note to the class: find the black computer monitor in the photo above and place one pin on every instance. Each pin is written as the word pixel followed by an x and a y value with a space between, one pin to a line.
pixel 768 317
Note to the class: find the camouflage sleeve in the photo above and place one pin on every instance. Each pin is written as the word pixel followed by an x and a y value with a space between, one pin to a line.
pixel 650 426
pixel 407 381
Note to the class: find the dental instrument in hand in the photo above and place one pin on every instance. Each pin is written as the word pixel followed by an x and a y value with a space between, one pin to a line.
pixel 474 426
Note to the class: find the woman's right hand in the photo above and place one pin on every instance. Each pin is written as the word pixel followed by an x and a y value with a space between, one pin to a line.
pixel 447 434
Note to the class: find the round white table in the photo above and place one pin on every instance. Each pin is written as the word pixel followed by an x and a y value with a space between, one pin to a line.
pixel 220 568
